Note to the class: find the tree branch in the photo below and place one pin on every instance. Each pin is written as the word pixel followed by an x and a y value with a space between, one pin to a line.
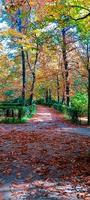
pixel 83 8
pixel 28 61
pixel 78 6
pixel 80 18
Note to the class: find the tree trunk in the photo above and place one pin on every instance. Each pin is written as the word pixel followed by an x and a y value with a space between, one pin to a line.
pixel 88 96
pixel 19 23
pixel 12 113
pixel 63 98
pixel 7 113
pixel 46 96
pixel 23 75
pixel 67 89
pixel 88 68
pixel 32 88
pixel 19 114
pixel 33 72
pixel 58 88
pixel 67 93
pixel 50 95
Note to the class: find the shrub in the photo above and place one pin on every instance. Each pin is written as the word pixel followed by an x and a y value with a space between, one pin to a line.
pixel 73 115
pixel 40 101
pixel 58 106
pixel 77 108
pixel 16 113
pixel 32 109
pixel 79 103
pixel 49 103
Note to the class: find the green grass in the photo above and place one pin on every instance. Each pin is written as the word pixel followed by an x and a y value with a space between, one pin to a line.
pixel 13 121
pixel 10 120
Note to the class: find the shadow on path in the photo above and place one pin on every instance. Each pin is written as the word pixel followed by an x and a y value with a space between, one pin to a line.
pixel 44 159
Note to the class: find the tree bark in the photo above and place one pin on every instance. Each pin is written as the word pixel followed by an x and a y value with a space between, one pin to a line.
pixel 32 88
pixel 23 75
pixel 7 113
pixel 88 68
pixel 46 96
pixel 19 23
pixel 63 98
pixel 50 95
pixel 58 88
pixel 88 96
pixel 33 72
pixel 67 88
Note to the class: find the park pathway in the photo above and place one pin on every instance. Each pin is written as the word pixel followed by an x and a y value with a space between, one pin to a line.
pixel 47 118
pixel 45 159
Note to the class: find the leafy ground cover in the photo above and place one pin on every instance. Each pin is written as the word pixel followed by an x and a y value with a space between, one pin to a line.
pixel 42 160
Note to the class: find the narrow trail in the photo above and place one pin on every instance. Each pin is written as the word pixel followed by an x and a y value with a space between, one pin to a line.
pixel 44 159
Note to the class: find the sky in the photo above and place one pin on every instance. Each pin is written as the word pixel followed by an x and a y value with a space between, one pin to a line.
pixel 3 26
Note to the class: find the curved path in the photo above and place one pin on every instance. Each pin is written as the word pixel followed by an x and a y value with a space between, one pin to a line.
pixel 44 159
pixel 47 118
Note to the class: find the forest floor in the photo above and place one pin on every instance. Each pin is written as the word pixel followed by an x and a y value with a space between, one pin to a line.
pixel 46 158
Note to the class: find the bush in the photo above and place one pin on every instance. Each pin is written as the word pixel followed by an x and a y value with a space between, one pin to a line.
pixel 77 108
pixel 40 101
pixel 18 100
pixel 32 109
pixel 79 103
pixel 49 103
pixel 16 113
pixel 58 106
pixel 72 113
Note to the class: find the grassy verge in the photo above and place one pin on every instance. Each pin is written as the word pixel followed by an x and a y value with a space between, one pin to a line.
pixel 28 113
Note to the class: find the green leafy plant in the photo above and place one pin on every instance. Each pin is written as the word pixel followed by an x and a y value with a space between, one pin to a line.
pixel 79 103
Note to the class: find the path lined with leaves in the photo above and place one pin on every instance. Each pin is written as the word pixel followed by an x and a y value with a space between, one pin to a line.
pixel 43 160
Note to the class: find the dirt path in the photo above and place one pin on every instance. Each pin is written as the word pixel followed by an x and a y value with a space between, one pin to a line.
pixel 44 159
pixel 47 118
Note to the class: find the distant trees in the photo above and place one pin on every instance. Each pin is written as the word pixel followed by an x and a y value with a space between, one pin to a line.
pixel 48 36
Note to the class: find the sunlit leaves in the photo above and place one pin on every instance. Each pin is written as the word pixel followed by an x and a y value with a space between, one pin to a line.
pixel 19 38
pixel 37 22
